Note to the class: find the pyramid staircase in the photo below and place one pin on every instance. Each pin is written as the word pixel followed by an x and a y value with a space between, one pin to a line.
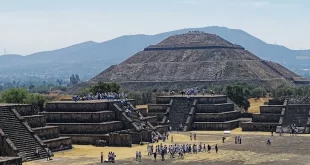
pixel 22 136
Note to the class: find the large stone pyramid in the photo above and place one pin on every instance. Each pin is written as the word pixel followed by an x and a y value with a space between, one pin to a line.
pixel 194 59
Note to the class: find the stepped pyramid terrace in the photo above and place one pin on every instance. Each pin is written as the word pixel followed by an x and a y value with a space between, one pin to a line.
pixel 280 115
pixel 194 59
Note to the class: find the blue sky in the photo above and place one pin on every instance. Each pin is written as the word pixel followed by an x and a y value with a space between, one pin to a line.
pixel 28 26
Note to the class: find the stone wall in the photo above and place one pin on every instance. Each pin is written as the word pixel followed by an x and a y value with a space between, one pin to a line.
pixel 300 108
pixel 11 160
pixel 214 108
pixel 162 129
pixel 159 116
pixel 143 111
pixel 152 119
pixel 217 117
pixel 22 109
pixel 163 100
pixel 215 125
pixel 275 109
pixel 157 108
pixel 59 145
pixel 88 128
pixel 265 117
pixel 120 140
pixel 79 117
pixel 249 126
pixel 87 138
pixel 35 121
pixel 212 100
pixel 275 102
pixel 80 106
pixel 48 132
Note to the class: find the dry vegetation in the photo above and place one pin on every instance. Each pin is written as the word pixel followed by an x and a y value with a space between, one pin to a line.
pixel 256 103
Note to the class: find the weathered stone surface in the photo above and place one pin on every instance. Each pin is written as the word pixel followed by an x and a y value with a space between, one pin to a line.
pixel 214 108
pixel 216 125
pixel 249 126
pixel 47 132
pixel 88 128
pixel 79 117
pixel 217 117
pixel 35 120
pixel 266 118
pixel 275 109
pixel 76 107
pixel 59 144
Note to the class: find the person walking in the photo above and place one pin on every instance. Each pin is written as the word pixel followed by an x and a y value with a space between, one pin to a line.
pixel 216 148
pixel 101 157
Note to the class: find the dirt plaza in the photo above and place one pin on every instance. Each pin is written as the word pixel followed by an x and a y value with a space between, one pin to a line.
pixel 284 150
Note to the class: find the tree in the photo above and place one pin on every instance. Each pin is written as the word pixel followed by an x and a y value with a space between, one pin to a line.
pixel 103 87
pixel 74 79
pixel 15 95
pixel 36 100
pixel 258 92
pixel 238 96
pixel 31 87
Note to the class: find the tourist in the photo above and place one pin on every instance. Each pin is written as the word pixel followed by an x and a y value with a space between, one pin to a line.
pixel 172 139
pixel 162 155
pixel 137 155
pixel 216 148
pixel 209 148
pixel 204 148
pixel 236 139
pixel 268 141
pixel 101 157
pixel 194 136
pixel 37 152
pixel 140 156
pixel 167 135
pixel 49 155
pixel 191 136
pixel 155 154
pixel 223 139
pixel 239 139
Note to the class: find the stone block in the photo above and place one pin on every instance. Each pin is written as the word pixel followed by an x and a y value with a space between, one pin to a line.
pixel 88 128
pixel 214 108
pixel 59 144
pixel 217 117
pixel 229 125
pixel 275 109
pixel 266 118
pixel 80 106
pixel 47 132
pixel 35 121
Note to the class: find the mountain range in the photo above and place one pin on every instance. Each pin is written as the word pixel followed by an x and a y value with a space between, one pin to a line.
pixel 90 58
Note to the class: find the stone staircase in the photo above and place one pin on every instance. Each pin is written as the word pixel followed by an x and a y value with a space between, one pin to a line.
pixel 179 112
pixel 25 140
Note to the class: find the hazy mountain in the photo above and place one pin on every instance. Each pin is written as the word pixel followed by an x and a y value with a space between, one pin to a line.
pixel 90 58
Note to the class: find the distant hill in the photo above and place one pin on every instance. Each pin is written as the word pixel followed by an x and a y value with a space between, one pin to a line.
pixel 90 58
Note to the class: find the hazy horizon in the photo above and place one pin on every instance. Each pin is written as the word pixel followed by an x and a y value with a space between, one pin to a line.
pixel 44 25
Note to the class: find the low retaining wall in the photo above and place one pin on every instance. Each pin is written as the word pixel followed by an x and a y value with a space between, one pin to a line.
pixel 87 138
pixel 120 140
pixel 88 128
pixel 59 144
pixel 152 119
pixel 79 117
pixel 214 108
pixel 48 132
pixel 163 100
pixel 159 116
pixel 212 100
pixel 266 118
pixel 275 109
pixel 217 117
pixel 35 121
pixel 7 148
pixel 215 125
pixel 249 126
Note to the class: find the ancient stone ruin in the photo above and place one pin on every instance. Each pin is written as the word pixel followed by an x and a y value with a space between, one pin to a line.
pixel 97 122
pixel 194 59
pixel 196 112
pixel 280 115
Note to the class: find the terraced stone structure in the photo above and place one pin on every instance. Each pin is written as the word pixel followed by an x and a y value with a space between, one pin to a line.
pixel 196 112
pixel 193 59
pixel 17 137
pixel 92 122
pixel 280 114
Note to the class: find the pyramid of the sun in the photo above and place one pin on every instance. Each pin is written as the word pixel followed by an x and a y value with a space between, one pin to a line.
pixel 194 59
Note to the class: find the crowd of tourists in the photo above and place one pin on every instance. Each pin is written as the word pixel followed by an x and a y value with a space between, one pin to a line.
pixel 111 157
pixel 177 150
pixel 100 96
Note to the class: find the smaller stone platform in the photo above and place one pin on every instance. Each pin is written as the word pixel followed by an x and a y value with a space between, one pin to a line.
pixel 10 160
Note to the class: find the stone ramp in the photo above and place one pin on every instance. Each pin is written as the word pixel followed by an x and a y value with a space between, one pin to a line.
pixel 25 140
